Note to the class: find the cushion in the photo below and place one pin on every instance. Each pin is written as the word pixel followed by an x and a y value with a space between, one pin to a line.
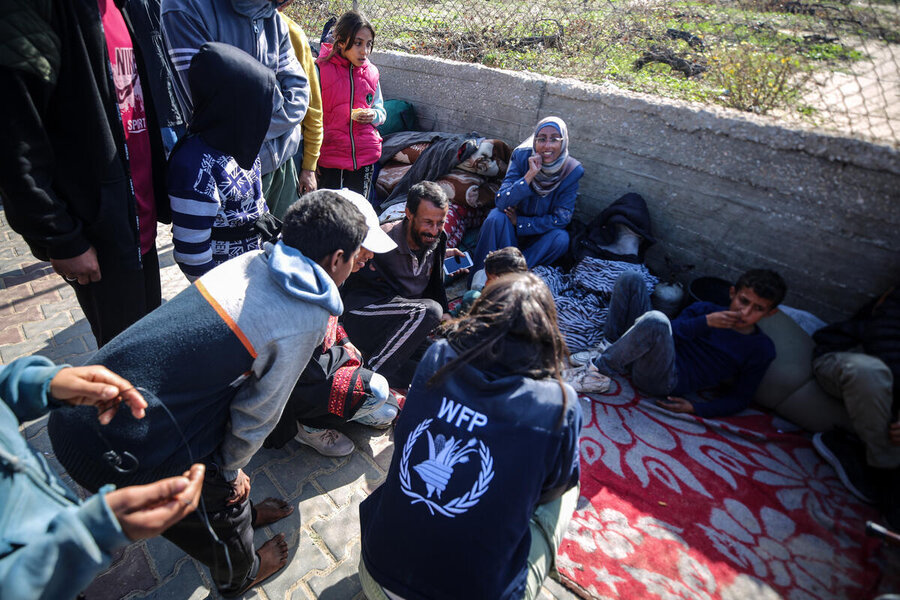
pixel 814 410
pixel 489 160
pixel 401 116
pixel 789 386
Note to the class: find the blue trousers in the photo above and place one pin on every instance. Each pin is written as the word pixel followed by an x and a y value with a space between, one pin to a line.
pixel 642 338
pixel 498 232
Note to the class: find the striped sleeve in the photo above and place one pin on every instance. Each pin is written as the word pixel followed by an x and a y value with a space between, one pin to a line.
pixel 194 197
pixel 183 34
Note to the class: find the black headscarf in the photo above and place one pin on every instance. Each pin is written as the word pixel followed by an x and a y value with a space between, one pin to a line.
pixel 233 95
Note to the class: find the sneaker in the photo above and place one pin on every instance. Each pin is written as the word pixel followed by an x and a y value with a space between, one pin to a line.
pixel 847 456
pixel 380 418
pixel 586 379
pixel 327 442
pixel 588 356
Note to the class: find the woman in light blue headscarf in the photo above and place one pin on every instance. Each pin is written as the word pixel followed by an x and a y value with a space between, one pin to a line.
pixel 536 200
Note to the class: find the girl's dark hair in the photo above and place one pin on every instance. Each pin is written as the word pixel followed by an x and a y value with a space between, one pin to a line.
pixel 512 323
pixel 505 260
pixel 346 28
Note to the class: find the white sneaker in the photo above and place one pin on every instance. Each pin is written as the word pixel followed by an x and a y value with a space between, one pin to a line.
pixel 586 379
pixel 327 442
pixel 586 356
pixel 380 418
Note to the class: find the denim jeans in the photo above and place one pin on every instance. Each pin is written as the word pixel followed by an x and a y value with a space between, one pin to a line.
pixel 642 338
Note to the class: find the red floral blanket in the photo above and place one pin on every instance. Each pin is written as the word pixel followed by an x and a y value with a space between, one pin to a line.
pixel 674 506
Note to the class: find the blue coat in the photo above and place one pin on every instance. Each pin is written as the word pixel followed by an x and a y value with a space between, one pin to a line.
pixel 51 545
pixel 473 457
pixel 537 215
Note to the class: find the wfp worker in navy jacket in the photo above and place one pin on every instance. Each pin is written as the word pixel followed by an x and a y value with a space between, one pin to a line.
pixel 486 459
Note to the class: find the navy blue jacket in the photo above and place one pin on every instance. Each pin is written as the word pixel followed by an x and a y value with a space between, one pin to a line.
pixel 473 457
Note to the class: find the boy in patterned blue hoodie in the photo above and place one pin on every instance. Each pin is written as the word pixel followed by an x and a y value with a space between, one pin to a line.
pixel 219 361
pixel 214 172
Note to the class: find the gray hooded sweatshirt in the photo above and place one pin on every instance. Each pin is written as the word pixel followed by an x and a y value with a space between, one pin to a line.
pixel 255 27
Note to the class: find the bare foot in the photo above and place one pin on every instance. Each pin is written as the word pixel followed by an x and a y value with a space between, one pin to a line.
pixel 271 510
pixel 272 558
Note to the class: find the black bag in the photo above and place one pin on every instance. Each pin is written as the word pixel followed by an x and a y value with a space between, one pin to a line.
pixel 267 227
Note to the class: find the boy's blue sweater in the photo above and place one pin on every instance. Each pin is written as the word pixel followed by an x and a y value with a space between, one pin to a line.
pixel 708 356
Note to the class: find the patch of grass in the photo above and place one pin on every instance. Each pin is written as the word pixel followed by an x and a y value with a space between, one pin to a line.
pixel 755 55
pixel 831 52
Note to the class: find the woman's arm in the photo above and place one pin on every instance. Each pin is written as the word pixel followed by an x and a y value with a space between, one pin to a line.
pixel 562 206
pixel 514 188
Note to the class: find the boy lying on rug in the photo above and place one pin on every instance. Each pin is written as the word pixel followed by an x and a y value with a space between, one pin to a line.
pixel 707 345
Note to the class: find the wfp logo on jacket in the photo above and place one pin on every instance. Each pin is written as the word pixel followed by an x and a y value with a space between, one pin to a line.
pixel 447 458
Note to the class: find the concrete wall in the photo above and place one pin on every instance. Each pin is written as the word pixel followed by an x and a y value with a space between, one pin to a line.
pixel 726 191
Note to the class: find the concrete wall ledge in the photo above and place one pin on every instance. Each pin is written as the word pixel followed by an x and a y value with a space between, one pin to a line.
pixel 727 190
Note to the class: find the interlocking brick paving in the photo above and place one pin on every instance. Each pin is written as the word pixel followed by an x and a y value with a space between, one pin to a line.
pixel 40 315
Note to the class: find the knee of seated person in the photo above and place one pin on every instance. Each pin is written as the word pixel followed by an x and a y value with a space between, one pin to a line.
pixel 656 319
pixel 856 366
pixel 630 280
pixel 496 215
pixel 558 238
pixel 433 311
pixel 379 387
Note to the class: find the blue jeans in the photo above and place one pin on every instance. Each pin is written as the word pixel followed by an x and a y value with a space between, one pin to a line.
pixel 642 338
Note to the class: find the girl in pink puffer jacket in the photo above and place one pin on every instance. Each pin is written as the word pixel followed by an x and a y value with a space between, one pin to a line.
pixel 352 106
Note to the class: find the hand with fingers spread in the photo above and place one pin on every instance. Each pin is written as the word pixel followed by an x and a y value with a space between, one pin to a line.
pixel 144 511
pixel 96 385
pixel 894 433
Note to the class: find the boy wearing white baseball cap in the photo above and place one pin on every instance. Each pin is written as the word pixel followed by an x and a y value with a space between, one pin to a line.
pixel 334 387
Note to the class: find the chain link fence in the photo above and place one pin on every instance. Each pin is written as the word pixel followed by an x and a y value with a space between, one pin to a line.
pixel 830 63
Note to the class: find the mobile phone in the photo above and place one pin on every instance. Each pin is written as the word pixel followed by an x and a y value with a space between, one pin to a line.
pixel 452 264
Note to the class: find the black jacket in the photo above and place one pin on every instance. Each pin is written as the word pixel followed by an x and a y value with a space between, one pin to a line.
pixel 64 173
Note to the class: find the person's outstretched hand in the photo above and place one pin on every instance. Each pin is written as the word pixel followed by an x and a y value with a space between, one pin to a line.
pixel 96 385
pixel 144 511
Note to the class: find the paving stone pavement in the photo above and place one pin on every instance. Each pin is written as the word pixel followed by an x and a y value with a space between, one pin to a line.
pixel 40 315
